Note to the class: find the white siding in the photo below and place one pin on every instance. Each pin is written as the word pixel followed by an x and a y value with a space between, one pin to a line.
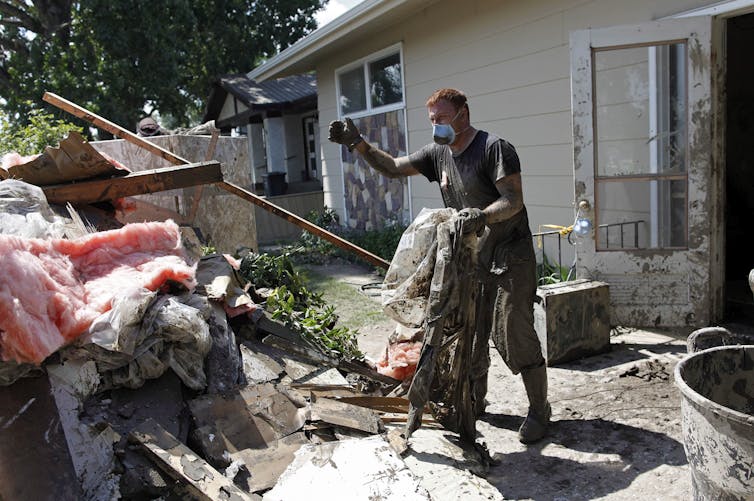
pixel 512 60
pixel 231 108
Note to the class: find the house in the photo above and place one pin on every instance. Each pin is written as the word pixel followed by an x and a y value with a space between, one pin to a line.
pixel 279 118
pixel 632 115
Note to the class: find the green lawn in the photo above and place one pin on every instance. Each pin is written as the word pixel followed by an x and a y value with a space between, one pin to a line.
pixel 355 310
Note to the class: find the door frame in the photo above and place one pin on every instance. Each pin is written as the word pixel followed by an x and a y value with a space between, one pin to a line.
pixel 660 287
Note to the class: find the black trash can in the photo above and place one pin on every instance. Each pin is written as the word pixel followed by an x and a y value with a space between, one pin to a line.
pixel 274 184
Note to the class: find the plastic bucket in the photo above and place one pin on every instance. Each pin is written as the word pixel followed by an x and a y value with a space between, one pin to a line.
pixel 717 416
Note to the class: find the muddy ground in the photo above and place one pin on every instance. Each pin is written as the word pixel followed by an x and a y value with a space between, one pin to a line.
pixel 616 431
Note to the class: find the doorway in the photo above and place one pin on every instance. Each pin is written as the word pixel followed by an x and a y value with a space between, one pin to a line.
pixel 739 161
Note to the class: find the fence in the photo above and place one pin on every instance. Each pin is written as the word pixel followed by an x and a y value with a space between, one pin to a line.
pixel 552 240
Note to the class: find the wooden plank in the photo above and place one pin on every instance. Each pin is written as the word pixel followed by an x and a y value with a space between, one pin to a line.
pixel 396 405
pixel 110 127
pixel 137 183
pixel 347 415
pixel 303 223
pixel 182 464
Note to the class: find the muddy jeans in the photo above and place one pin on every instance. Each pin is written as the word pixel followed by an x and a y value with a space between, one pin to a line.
pixel 506 312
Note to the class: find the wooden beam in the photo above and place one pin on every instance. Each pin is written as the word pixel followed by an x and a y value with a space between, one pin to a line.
pixel 306 225
pixel 110 127
pixel 118 131
pixel 136 183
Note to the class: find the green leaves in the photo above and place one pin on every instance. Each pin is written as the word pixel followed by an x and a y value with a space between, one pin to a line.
pixel 317 324
pixel 292 303
pixel 116 58
pixel 43 130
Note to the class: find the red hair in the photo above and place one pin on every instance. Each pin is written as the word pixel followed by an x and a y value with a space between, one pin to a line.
pixel 453 96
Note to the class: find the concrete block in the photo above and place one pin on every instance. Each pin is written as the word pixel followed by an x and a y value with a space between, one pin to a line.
pixel 572 320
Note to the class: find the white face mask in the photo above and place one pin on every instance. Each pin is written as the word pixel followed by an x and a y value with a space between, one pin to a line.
pixel 444 133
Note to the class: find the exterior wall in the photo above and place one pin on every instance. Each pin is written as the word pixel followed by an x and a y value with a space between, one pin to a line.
pixel 274 229
pixel 512 60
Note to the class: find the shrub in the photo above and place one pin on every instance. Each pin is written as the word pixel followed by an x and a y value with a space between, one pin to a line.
pixel 42 130
pixel 302 310
pixel 381 242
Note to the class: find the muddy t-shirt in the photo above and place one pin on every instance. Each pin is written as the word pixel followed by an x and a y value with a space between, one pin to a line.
pixel 468 179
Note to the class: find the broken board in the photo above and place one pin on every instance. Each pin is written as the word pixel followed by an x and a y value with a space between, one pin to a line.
pixel 137 183
pixel 182 464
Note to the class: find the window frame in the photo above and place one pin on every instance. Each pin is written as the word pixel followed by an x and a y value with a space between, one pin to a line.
pixel 599 179
pixel 364 63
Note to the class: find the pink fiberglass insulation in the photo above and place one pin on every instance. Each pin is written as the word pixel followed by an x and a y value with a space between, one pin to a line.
pixel 400 359
pixel 52 290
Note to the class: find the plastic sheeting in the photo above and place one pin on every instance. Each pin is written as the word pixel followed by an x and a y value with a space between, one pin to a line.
pixel 24 211
pixel 145 334
pixel 406 285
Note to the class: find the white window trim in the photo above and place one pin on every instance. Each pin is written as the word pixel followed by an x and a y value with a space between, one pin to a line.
pixel 363 62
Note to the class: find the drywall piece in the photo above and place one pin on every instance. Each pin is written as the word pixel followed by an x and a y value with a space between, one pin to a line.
pixel 266 465
pixel 91 449
pixel 251 418
pixel 364 468
pixel 259 367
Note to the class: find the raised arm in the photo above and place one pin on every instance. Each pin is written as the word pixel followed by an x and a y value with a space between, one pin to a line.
pixel 347 134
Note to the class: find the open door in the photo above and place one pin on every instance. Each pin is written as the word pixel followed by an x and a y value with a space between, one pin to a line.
pixel 644 151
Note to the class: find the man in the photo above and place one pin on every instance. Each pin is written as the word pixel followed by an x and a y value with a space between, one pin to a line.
pixel 480 175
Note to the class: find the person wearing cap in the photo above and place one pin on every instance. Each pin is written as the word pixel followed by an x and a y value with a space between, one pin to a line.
pixel 148 127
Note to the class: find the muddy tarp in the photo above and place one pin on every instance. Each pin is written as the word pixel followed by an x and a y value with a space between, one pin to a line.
pixel 143 335
pixel 431 283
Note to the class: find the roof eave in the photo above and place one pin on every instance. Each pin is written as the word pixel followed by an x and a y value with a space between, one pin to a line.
pixel 304 54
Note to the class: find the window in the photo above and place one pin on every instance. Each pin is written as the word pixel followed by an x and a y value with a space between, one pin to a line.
pixel 641 144
pixel 373 84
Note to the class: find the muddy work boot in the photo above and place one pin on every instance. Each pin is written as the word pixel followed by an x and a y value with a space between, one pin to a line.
pixel 536 422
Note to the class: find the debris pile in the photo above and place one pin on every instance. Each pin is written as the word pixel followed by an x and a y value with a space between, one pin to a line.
pixel 150 372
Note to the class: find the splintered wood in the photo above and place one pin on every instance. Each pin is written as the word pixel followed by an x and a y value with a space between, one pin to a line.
pixel 181 463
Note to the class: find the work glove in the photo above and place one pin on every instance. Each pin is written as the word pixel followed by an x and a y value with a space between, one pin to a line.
pixel 473 220
pixel 344 133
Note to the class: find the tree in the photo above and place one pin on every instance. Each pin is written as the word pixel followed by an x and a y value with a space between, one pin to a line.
pixel 120 58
